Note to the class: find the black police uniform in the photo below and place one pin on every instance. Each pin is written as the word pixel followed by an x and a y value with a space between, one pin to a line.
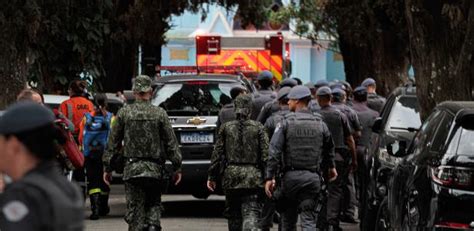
pixel 275 119
pixel 350 198
pixel 268 110
pixel 340 130
pixel 300 144
pixel 226 114
pixel 273 106
pixel 260 99
pixel 43 199
pixel 375 102
pixel 367 117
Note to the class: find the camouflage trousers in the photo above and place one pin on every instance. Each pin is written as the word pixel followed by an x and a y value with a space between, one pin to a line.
pixel 143 196
pixel 243 210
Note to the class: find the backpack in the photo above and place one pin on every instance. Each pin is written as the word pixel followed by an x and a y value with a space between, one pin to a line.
pixel 71 150
pixel 96 133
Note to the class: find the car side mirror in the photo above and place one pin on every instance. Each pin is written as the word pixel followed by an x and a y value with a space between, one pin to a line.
pixel 397 148
pixel 377 127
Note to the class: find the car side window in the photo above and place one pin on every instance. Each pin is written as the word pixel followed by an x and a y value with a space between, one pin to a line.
pixel 387 109
pixel 440 138
pixel 424 136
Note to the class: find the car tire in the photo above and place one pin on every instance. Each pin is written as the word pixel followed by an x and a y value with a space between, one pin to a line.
pixel 382 222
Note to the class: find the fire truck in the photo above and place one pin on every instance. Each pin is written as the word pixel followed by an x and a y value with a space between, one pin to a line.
pixel 216 54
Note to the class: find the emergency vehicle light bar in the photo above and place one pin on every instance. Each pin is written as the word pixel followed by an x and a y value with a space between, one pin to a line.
pixel 198 69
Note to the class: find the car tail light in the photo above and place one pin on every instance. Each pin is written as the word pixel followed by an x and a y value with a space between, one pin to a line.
pixel 453 177
pixel 452 225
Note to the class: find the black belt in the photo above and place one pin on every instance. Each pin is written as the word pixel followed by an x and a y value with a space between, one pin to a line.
pixel 289 169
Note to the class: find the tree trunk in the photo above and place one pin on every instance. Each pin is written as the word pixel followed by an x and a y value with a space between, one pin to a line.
pixel 442 46
pixel 13 70
pixel 119 66
pixel 372 42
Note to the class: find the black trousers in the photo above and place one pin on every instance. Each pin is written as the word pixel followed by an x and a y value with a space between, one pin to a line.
pixel 94 171
pixel 337 187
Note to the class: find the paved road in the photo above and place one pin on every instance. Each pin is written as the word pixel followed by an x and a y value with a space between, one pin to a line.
pixel 182 212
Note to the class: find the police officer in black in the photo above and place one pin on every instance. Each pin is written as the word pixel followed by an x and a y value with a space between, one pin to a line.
pixel 345 154
pixel 374 101
pixel 339 97
pixel 268 210
pixel 227 113
pixel 367 117
pixel 40 197
pixel 265 93
pixel 273 106
pixel 278 116
pixel 300 144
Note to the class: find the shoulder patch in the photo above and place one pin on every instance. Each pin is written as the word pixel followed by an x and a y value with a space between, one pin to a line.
pixel 15 211
pixel 278 127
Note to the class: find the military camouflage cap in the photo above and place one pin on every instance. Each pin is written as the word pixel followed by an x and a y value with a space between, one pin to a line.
pixel 141 83
pixel 243 105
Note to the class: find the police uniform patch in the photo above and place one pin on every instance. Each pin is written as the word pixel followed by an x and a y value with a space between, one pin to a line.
pixel 278 126
pixel 15 211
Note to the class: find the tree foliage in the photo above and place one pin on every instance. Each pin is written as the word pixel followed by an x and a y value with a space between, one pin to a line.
pixel 53 42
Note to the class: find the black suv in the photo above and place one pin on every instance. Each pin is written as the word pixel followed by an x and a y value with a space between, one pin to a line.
pixel 398 121
pixel 432 187
pixel 193 103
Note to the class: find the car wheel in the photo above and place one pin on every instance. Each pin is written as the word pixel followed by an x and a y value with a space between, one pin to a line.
pixel 383 218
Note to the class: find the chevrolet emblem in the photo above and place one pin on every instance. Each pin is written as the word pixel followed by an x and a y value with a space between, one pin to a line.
pixel 196 121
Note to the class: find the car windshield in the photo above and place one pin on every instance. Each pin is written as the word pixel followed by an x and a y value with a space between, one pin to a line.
pixel 193 98
pixel 461 143
pixel 405 114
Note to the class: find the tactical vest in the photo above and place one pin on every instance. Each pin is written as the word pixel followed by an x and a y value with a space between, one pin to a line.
pixel 67 212
pixel 304 140
pixel 332 118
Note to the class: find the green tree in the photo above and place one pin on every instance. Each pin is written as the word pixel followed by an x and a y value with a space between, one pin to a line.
pixel 18 27
pixel 371 36
pixel 442 49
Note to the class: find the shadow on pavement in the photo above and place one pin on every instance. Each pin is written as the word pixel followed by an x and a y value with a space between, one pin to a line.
pixel 195 208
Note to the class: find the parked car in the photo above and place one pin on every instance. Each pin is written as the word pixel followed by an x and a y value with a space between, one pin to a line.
pixel 398 121
pixel 53 101
pixel 113 101
pixel 193 103
pixel 432 187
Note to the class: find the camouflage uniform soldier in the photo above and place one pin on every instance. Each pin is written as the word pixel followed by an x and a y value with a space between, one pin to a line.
pixel 145 129
pixel 243 145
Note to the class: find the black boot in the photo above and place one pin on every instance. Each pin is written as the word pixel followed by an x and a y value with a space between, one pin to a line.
pixel 95 205
pixel 104 208
pixel 152 228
